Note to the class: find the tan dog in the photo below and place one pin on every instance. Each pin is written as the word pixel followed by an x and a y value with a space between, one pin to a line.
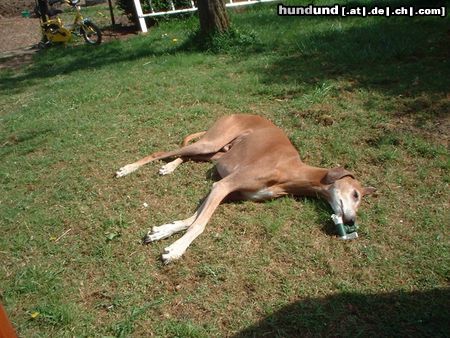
pixel 256 159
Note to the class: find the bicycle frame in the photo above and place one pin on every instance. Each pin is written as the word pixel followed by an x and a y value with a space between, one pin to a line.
pixel 54 30
pixel 78 21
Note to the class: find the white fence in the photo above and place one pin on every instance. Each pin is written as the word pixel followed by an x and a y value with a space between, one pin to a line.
pixel 192 8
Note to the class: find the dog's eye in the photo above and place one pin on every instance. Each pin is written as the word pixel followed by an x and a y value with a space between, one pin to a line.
pixel 355 195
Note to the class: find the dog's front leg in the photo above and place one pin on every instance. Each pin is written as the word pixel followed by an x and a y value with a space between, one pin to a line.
pixel 167 230
pixel 219 191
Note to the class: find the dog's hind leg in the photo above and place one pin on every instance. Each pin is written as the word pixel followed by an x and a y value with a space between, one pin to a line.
pixel 171 166
pixel 223 132
pixel 204 146
pixel 198 148
pixel 129 168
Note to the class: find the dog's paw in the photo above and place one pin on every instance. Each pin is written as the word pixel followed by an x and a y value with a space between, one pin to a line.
pixel 164 170
pixel 129 168
pixel 167 169
pixel 172 253
pixel 170 167
pixel 156 234
pixel 165 230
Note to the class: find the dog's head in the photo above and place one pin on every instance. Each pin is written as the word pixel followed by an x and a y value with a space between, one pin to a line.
pixel 345 193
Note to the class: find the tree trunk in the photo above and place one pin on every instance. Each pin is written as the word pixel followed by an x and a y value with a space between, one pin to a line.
pixel 213 16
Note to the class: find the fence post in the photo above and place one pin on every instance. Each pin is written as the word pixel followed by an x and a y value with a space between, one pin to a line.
pixel 173 10
pixel 137 5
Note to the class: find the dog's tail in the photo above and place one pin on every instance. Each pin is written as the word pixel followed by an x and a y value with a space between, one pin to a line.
pixel 191 137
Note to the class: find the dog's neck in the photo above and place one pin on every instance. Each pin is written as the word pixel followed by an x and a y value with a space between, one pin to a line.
pixel 308 181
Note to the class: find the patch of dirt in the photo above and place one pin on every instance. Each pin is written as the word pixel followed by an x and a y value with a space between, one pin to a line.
pixel 12 8
pixel 18 33
pixel 19 36
pixel 119 33
pixel 17 39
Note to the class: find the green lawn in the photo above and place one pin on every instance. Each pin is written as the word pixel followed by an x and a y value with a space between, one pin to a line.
pixel 371 94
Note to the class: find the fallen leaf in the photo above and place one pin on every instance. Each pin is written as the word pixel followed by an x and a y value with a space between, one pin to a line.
pixel 111 235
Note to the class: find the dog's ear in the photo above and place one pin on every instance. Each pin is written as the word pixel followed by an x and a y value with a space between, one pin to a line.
pixel 335 174
pixel 368 190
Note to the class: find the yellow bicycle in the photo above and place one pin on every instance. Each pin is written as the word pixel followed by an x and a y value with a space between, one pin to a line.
pixel 54 30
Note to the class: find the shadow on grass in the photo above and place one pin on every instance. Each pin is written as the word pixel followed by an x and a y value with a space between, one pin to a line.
pixel 31 138
pixel 404 58
pixel 396 314
pixel 396 56
pixel 59 60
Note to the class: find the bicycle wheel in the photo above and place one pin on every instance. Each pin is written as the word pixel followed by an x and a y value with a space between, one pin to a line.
pixel 91 33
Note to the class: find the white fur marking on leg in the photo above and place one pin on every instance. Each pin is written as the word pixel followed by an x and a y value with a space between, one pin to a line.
pixel 167 230
pixel 129 168
pixel 173 252
pixel 179 247
pixel 170 167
